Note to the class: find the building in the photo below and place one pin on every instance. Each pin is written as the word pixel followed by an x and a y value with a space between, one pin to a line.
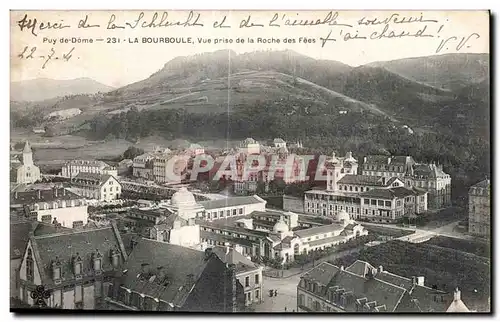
pixel 249 146
pixel 72 168
pixel 20 232
pixel 282 238
pixel 195 149
pixel 78 268
pixel 25 171
pixel 143 166
pixel 57 205
pixel 247 273
pixel 167 171
pixel 279 143
pixel 102 187
pixel 232 207
pixel 480 209
pixel 164 277
pixel 361 288
pixel 368 197
pixel 429 177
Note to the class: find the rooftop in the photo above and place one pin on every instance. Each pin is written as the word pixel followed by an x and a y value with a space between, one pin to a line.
pixel 231 202
pixel 48 195
pixel 231 256
pixel 318 230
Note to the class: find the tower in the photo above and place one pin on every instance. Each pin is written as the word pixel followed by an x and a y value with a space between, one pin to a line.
pixel 333 173
pixel 27 155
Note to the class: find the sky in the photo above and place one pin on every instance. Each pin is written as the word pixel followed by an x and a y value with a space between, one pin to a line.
pixel 119 60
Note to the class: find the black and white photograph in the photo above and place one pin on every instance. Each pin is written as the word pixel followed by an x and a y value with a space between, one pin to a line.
pixel 268 161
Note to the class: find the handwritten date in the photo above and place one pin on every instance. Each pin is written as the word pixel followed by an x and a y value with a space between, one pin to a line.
pixel 30 53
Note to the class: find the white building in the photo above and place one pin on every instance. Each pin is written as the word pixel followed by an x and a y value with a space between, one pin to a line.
pixel 72 168
pixel 231 207
pixel 102 187
pixel 195 149
pixel 26 171
pixel 57 205
pixel 249 146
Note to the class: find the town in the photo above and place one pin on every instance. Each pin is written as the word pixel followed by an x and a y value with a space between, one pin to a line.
pixel 146 233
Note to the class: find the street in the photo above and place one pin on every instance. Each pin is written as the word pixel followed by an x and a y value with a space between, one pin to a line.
pixel 287 294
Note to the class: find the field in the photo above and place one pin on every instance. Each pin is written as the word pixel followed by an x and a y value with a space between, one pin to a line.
pixel 474 247
pixel 56 150
pixel 444 267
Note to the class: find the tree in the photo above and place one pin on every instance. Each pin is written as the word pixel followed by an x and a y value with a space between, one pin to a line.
pixel 132 152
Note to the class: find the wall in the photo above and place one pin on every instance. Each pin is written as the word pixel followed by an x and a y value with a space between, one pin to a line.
pixel 253 287
pixel 185 236
pixel 14 269
pixel 66 216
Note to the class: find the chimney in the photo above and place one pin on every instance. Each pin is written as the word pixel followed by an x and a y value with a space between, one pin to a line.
pixel 414 280
pixel 457 295
pixel 342 267
pixel 230 274
pixel 15 195
pixel 208 253
pixel 389 160
pixel 364 159
pixel 55 192
pixel 420 280
pixel 189 281
pixel 381 268
pixel 64 192
pixel 228 249
pixel 39 194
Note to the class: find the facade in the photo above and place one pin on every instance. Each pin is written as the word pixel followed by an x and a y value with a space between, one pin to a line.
pixel 248 274
pixel 480 209
pixel 231 207
pixel 57 205
pixel 102 187
pixel 25 172
pixel 72 168
pixel 361 288
pixel 164 277
pixel 77 267
pixel 143 166
pixel 249 146
pixel 166 171
pixel 369 197
pixel 429 177
pixel 279 238
pixel 195 149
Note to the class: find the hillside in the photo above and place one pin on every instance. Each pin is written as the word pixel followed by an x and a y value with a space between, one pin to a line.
pixel 448 71
pixel 43 88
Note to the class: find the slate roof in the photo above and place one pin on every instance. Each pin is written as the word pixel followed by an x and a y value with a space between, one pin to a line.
pixel 482 184
pixel 49 195
pixel 370 288
pixel 377 159
pixel 91 179
pixel 427 171
pixel 171 264
pixel 359 179
pixel 242 264
pixel 396 292
pixel 327 240
pixel 66 245
pixel 19 236
pixel 318 230
pixel 231 202
pixel 225 238
pixel 88 163
pixel 398 192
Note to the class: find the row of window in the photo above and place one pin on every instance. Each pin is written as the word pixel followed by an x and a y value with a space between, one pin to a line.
pixel 383 168
pixel 355 189
pixel 220 214
pixel 58 204
pixel 256 280
pixel 228 233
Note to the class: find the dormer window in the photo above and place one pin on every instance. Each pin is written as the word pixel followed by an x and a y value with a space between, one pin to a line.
pixel 56 270
pixel 77 266
pixel 97 262
pixel 29 266
pixel 115 258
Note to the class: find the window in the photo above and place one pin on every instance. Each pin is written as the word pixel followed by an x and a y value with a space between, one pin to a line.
pixel 388 204
pixel 234 212
pixel 77 224
pixel 247 281
pixel 249 297
pixel 367 201
pixel 240 211
pixel 256 278
pixel 104 189
pixel 302 300
pixel 47 219
pixel 29 266
pixel 373 202
pixel 257 294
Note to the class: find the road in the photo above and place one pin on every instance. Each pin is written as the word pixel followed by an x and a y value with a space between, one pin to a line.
pixel 287 294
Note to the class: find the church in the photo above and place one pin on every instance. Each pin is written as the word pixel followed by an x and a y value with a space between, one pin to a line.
pixel 24 171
